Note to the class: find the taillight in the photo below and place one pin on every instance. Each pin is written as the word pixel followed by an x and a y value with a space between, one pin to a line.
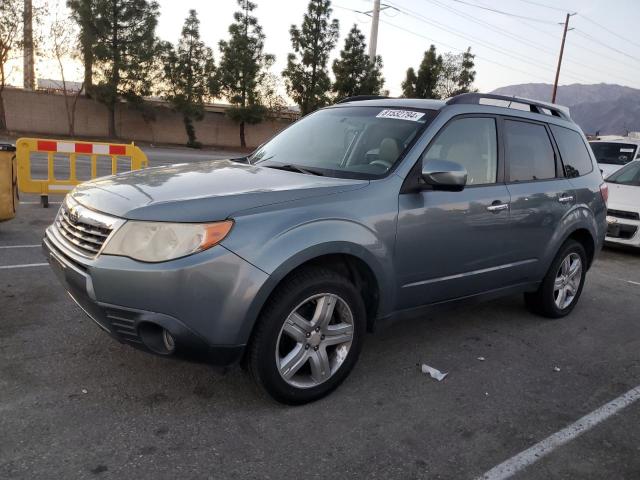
pixel 604 191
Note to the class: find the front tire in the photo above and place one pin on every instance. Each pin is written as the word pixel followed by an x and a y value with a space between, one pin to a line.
pixel 562 285
pixel 308 337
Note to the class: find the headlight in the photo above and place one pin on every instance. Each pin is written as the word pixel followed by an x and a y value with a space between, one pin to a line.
pixel 159 241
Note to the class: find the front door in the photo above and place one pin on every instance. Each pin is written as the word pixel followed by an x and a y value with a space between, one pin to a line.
pixel 455 244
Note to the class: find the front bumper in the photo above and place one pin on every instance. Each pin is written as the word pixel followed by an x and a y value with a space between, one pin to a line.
pixel 201 300
pixel 623 231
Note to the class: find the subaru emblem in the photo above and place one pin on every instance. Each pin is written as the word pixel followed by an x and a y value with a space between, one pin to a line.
pixel 73 216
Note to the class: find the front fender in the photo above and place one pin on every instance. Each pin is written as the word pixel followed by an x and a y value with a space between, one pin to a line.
pixel 297 245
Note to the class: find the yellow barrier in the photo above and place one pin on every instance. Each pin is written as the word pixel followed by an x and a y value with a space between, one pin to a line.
pixel 56 166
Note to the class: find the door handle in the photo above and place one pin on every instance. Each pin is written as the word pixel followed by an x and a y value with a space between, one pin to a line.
pixel 565 198
pixel 497 207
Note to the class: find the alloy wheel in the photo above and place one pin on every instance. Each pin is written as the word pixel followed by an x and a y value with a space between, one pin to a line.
pixel 314 340
pixel 567 281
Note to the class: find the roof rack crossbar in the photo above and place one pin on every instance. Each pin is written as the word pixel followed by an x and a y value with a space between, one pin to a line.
pixel 535 106
pixel 358 98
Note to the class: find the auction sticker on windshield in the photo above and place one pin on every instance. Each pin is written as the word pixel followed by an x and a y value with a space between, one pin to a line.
pixel 401 115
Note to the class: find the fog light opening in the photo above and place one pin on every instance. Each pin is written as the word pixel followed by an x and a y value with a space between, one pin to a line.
pixel 156 338
pixel 169 342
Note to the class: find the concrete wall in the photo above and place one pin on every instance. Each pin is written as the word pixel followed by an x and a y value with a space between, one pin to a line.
pixel 44 114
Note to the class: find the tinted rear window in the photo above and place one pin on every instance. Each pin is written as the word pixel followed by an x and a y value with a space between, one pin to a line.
pixel 615 153
pixel 528 151
pixel 575 155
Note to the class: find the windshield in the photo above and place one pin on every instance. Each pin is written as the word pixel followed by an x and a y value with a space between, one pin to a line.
pixel 353 142
pixel 629 175
pixel 613 152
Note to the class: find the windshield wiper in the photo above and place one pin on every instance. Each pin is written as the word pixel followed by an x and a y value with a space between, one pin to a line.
pixel 290 167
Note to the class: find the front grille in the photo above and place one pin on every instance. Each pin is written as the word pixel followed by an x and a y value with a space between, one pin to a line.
pixel 81 230
pixel 87 238
pixel 623 214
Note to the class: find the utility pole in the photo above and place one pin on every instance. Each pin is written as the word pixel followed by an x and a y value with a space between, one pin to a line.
pixel 373 38
pixel 28 74
pixel 564 36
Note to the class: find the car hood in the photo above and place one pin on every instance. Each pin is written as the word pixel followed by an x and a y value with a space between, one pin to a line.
pixel 202 192
pixel 624 197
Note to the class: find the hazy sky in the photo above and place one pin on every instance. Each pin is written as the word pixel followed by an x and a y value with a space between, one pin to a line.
pixel 509 49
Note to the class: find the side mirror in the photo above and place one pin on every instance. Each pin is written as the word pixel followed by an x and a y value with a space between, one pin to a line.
pixel 444 175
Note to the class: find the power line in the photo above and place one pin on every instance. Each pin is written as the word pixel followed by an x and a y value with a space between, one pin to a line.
pixel 589 50
pixel 610 31
pixel 489 45
pixel 595 40
pixel 439 42
pixel 555 8
pixel 502 12
pixel 460 50
pixel 531 2
pixel 515 37
pixel 418 16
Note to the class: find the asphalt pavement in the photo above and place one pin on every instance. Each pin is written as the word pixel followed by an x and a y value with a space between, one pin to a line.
pixel 76 404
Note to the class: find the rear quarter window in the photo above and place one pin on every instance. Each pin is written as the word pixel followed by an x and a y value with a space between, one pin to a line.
pixel 574 153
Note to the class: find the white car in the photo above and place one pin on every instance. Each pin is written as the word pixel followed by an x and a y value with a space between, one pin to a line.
pixel 623 208
pixel 612 153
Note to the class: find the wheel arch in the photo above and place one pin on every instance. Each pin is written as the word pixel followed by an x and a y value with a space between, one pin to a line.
pixel 584 237
pixel 351 260
pixel 580 225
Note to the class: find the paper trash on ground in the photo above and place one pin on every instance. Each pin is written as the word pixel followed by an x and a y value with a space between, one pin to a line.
pixel 433 372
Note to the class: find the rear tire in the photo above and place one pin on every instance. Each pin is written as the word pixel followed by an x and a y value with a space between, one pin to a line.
pixel 561 287
pixel 308 337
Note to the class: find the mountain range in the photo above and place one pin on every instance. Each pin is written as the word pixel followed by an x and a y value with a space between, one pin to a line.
pixel 601 108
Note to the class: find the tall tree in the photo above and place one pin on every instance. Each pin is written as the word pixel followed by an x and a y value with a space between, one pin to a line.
pixel 83 12
pixel 467 73
pixel 243 67
pixel 10 43
pixel 424 84
pixel 125 51
pixel 62 33
pixel 28 69
pixel 457 74
pixel 449 75
pixel 306 75
pixel 189 72
pixel 355 73
pixel 409 84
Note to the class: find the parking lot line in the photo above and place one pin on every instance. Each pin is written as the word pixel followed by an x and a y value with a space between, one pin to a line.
pixel 24 265
pixel 38 203
pixel 522 460
pixel 19 246
pixel 632 282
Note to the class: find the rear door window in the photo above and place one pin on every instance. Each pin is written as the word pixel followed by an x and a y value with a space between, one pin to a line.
pixel 574 153
pixel 529 152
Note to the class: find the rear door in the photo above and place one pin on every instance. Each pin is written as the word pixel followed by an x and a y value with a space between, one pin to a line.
pixel 540 194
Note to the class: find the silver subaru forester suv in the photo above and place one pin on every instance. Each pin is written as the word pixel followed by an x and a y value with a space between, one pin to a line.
pixel 362 212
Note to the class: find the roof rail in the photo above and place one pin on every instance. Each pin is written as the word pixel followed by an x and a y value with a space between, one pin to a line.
pixel 534 105
pixel 358 98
